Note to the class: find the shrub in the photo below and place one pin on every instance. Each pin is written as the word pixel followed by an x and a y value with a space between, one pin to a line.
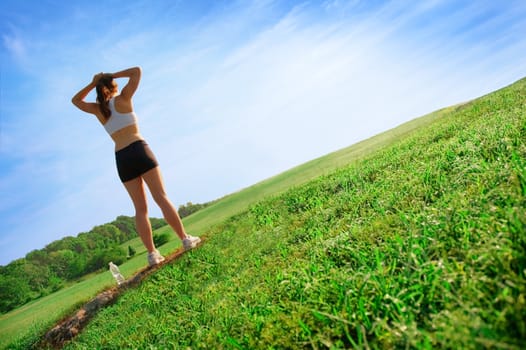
pixel 160 239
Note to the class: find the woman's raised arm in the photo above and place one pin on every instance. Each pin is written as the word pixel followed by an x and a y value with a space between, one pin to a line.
pixel 134 74
pixel 78 99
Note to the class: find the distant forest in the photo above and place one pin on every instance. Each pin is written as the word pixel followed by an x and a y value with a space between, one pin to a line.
pixel 46 270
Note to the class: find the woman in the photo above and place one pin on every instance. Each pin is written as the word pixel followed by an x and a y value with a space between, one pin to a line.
pixel 136 163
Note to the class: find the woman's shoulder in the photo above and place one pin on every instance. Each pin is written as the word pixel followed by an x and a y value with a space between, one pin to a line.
pixel 121 104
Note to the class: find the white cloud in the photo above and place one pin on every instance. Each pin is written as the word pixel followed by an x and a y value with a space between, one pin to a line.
pixel 15 46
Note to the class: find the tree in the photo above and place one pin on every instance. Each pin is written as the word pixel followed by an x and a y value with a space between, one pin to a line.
pixel 108 234
pixel 190 208
pixel 127 226
pixel 13 292
pixel 157 223
pixel 116 254
pixel 77 266
pixel 38 257
pixel 160 239
pixel 61 261
pixel 131 251
pixel 96 261
pixel 37 277
pixel 102 258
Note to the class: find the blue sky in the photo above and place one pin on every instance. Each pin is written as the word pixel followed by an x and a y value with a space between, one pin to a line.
pixel 233 92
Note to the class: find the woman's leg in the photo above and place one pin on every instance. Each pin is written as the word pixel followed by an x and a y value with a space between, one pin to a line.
pixel 136 190
pixel 154 180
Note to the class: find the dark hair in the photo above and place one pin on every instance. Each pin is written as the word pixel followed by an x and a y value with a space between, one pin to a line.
pixel 106 81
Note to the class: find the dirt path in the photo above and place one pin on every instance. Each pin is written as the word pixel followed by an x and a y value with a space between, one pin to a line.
pixel 69 327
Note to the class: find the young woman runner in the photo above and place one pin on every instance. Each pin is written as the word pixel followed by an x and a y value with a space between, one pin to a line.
pixel 136 164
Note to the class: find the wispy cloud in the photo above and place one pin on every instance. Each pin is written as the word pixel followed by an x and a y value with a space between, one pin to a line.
pixel 14 46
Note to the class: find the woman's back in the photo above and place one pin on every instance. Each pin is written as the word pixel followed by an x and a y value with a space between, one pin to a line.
pixel 122 124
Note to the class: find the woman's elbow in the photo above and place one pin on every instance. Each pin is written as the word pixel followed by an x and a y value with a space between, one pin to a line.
pixel 74 100
pixel 77 102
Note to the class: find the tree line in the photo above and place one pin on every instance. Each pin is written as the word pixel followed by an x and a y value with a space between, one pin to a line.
pixel 190 208
pixel 46 270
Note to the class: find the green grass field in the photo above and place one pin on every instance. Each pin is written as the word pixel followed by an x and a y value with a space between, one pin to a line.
pixel 411 239
pixel 32 319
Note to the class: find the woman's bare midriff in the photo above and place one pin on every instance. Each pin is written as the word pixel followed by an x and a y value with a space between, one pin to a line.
pixel 126 136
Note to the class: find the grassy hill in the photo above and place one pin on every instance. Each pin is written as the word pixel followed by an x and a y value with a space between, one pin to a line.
pixel 412 239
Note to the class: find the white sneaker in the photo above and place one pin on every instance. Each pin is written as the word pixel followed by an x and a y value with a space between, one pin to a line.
pixel 155 258
pixel 191 242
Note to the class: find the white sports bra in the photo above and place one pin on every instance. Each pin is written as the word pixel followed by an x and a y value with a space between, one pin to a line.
pixel 118 121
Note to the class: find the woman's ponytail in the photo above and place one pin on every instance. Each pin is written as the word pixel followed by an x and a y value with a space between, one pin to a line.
pixel 104 90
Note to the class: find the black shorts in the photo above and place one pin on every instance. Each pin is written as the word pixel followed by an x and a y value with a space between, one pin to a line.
pixel 134 160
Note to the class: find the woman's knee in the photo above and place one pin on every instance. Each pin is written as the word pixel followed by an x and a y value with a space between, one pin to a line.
pixel 141 209
pixel 162 200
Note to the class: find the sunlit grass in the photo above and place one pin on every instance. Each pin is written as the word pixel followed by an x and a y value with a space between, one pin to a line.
pixel 419 245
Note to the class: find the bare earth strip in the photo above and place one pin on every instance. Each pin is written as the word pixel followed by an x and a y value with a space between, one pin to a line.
pixel 69 327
